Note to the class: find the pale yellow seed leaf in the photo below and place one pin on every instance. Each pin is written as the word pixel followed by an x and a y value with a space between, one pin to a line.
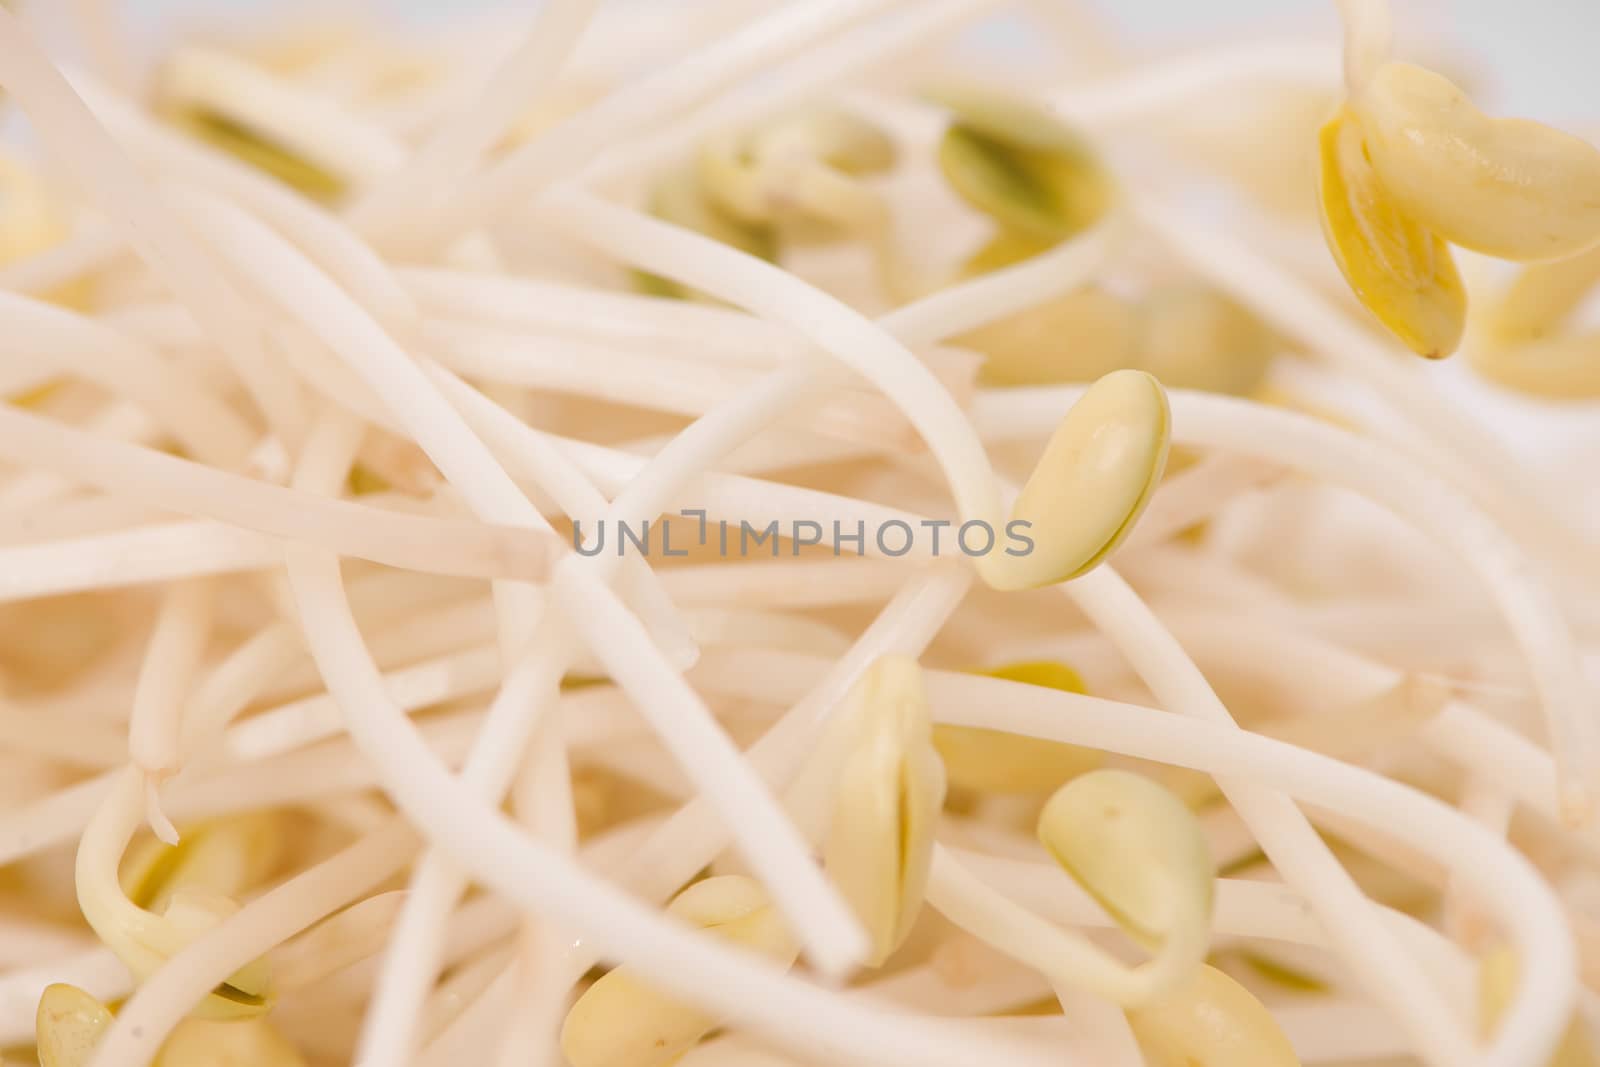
pixel 259 152
pixel 1497 984
pixel 890 790
pixel 843 140
pixel 1352 733
pixel 1210 1021
pixel 34 221
pixel 68 1025
pixel 1091 484
pixel 680 199
pixel 800 172
pixel 1134 847
pixel 621 1021
pixel 1402 272
pixel 1559 368
pixel 993 761
pixel 226 856
pixel 1005 117
pixel 1511 188
pixel 1079 336
pixel 1540 301
pixel 1193 337
pixel 1021 166
pixel 190 915
pixel 255 1043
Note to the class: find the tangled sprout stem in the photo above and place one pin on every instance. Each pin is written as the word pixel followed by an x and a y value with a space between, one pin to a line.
pixel 388 674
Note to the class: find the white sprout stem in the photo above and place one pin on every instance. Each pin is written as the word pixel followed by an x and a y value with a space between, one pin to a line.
pixel 103 31
pixel 1196 494
pixel 733 497
pixel 142 555
pixel 694 835
pixel 1285 835
pixel 1249 909
pixel 75 345
pixel 1460 449
pixel 534 457
pixel 611 633
pixel 964 306
pixel 1062 957
pixel 414 951
pixel 342 940
pixel 288 115
pixel 660 381
pixel 131 931
pixel 71 133
pixel 487 845
pixel 313 719
pixel 74 516
pixel 543 801
pixel 786 584
pixel 92 247
pixel 624 376
pixel 76 742
pixel 306 294
pixel 1101 1027
pixel 1145 91
pixel 471 1020
pixel 1342 458
pixel 512 718
pixel 1490 804
pixel 119 421
pixel 812 74
pixel 843 333
pixel 1368 38
pixel 336 250
pixel 414 542
pixel 537 305
pixel 324 238
pixel 161 1002
pixel 26 941
pixel 1523 903
pixel 569 146
pixel 510 92
pixel 956 695
pixel 1480 744
pixel 182 629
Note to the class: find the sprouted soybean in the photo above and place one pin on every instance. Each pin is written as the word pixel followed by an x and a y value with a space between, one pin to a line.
pixel 323 337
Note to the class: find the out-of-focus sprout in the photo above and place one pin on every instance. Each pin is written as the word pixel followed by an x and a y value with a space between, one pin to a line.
pixel 890 790
pixel 1210 1021
pixel 1021 166
pixel 622 1022
pixel 1080 336
pixel 993 761
pixel 1522 343
pixel 800 173
pixel 680 198
pixel 1497 983
pixel 1193 337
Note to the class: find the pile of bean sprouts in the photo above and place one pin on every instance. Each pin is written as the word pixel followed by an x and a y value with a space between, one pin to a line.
pixel 340 724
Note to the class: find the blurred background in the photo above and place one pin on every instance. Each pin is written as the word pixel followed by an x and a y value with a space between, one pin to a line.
pixel 1540 55
pixel 1536 58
